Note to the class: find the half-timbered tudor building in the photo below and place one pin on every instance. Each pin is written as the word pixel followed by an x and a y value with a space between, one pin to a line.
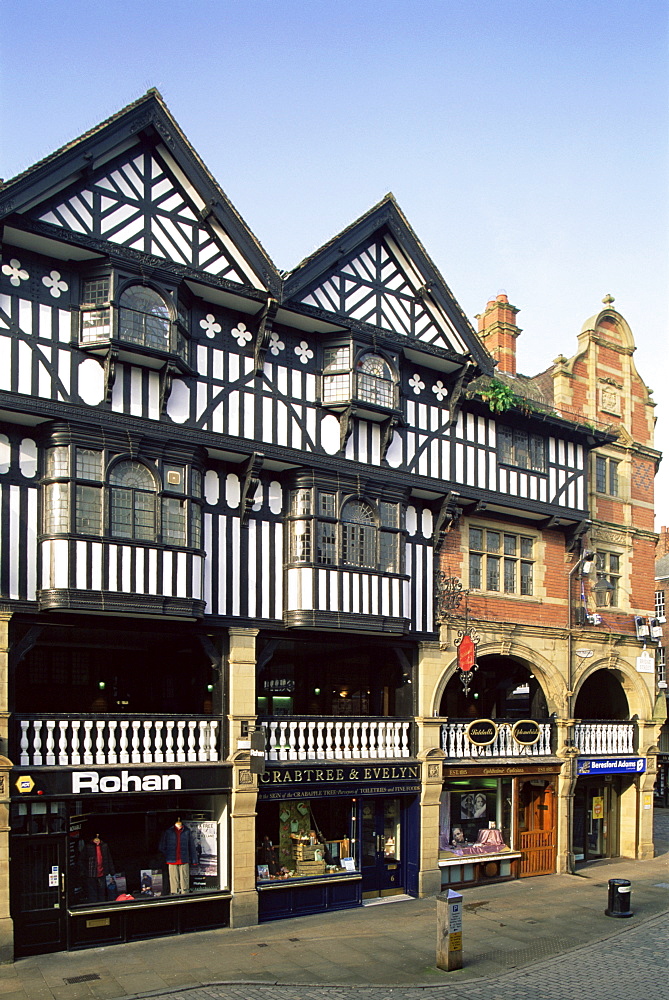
pixel 226 492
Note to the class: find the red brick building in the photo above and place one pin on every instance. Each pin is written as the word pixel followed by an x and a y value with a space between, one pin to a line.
pixel 573 642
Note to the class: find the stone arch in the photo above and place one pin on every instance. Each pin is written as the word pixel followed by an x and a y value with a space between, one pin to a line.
pixel 548 678
pixel 632 686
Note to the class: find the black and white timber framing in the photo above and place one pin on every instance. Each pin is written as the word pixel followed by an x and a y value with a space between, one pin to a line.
pixel 131 202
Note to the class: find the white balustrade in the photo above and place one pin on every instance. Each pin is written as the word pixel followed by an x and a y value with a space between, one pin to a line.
pixel 456 745
pixel 336 739
pixel 604 737
pixel 71 742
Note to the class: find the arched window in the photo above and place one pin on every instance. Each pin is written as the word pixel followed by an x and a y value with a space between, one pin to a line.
pixel 358 534
pixel 375 382
pixel 144 318
pixel 132 501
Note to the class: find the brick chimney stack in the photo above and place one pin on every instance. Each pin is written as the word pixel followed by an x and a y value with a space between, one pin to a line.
pixel 498 331
pixel 662 543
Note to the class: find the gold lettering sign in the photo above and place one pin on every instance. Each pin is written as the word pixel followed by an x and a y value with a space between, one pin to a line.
pixel 526 732
pixel 482 732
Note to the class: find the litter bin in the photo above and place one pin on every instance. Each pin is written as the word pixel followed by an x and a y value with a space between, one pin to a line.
pixel 620 898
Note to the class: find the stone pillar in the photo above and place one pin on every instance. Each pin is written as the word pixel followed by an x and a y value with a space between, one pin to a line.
pixel 6 923
pixel 566 786
pixel 429 874
pixel 648 734
pixel 241 685
pixel 244 904
pixel 241 690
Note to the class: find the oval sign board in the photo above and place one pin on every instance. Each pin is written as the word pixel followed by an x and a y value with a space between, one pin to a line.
pixel 526 732
pixel 481 732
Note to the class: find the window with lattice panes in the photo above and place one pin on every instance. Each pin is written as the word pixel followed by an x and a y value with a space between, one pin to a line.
pixel 129 502
pixel 607 571
pixel 501 561
pixel 606 476
pixel 521 448
pixel 370 380
pixel 660 604
pixel 141 317
pixel 327 529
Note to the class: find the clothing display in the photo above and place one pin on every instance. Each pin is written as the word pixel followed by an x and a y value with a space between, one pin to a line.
pixel 178 848
pixel 96 863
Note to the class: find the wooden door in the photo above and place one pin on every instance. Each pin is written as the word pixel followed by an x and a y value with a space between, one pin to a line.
pixel 536 827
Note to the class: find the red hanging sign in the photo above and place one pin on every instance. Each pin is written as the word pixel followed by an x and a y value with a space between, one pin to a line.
pixel 466 653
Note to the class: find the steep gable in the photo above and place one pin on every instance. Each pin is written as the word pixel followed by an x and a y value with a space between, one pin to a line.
pixel 136 182
pixel 376 273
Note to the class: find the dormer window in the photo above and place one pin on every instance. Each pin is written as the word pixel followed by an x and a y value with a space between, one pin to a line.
pixel 142 319
pixel 369 381
pixel 375 382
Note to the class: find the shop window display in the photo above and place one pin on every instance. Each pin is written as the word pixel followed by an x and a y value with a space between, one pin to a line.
pixel 475 818
pixel 298 842
pixel 126 856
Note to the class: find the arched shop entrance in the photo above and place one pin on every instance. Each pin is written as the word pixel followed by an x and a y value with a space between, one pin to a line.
pixel 500 688
pixel 498 808
pixel 601 702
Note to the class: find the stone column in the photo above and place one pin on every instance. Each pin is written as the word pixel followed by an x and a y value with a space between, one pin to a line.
pixel 566 786
pixel 241 701
pixel 648 734
pixel 429 874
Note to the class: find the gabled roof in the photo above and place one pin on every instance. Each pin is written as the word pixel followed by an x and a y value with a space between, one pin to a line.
pixel 56 190
pixel 377 272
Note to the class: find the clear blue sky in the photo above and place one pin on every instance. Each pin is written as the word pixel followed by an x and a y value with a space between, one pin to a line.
pixel 526 140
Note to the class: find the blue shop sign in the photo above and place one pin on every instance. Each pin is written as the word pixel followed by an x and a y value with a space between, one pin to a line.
pixel 612 765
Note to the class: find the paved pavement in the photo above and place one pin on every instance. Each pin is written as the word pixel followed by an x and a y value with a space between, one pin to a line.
pixel 544 938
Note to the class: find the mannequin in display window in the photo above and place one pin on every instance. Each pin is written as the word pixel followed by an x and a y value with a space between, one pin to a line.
pixel 177 845
pixel 96 864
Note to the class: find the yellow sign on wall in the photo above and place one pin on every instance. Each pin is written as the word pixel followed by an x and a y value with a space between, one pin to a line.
pixel 598 807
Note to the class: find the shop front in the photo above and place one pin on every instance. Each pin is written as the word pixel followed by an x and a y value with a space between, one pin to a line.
pixel 497 822
pixel 600 785
pixel 101 856
pixel 329 837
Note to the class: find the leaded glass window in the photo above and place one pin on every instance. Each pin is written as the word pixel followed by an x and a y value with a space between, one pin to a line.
pixel 336 374
pixel 95 311
pixel 375 383
pixel 144 318
pixel 501 562
pixel 358 534
pixel 132 501
pixel 362 534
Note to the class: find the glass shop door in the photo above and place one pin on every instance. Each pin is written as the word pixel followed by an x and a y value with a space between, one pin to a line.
pixel 381 846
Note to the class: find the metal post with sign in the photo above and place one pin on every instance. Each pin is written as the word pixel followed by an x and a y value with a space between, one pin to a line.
pixel 449 931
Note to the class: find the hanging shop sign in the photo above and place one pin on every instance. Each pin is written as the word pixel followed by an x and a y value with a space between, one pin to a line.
pixel 612 765
pixel 527 732
pixel 466 643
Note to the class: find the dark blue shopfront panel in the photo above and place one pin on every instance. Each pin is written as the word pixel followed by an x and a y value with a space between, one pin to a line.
pixel 295 900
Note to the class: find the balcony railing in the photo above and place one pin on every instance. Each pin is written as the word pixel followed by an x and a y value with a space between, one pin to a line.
pixel 340 738
pixel 71 741
pixel 602 737
pixel 456 745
